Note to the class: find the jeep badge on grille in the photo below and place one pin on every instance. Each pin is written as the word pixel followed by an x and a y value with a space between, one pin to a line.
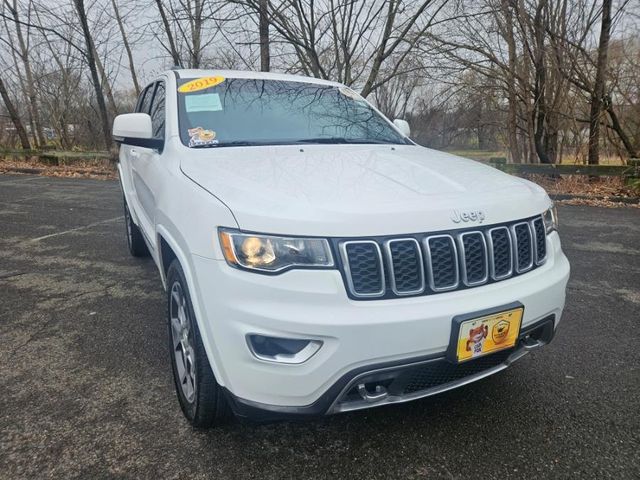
pixel 470 216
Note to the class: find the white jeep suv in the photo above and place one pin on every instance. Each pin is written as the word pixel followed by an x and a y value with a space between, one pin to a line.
pixel 315 259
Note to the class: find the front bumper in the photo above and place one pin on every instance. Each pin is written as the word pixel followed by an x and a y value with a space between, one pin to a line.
pixel 402 382
pixel 357 337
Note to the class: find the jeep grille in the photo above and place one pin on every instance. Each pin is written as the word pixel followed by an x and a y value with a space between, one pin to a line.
pixel 425 264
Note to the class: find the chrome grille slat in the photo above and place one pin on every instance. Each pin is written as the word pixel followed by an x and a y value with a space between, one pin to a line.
pixel 428 264
pixel 474 264
pixel 353 269
pixel 437 253
pixel 539 240
pixel 522 246
pixel 500 249
pixel 406 269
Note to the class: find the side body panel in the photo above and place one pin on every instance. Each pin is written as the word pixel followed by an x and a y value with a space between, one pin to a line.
pixel 167 205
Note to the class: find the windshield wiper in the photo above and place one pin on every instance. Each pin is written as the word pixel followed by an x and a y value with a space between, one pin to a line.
pixel 320 140
pixel 235 143
pixel 246 143
pixel 343 140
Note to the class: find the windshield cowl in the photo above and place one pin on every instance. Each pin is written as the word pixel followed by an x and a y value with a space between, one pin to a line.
pixel 306 141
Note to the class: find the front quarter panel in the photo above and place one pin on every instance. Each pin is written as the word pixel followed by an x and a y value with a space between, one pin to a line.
pixel 188 213
pixel 187 217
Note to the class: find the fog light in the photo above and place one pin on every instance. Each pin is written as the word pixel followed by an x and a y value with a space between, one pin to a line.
pixel 282 350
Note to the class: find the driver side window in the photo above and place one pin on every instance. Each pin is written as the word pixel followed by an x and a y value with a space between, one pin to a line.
pixel 145 99
pixel 157 111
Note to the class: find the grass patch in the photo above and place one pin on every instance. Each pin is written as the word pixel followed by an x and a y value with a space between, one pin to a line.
pixel 482 155
pixel 486 155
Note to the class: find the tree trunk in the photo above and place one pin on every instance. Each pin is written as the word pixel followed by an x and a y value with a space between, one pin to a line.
pixel 106 86
pixel 481 131
pixel 24 98
pixel 551 143
pixel 95 78
pixel 29 87
pixel 172 44
pixel 15 118
pixel 64 135
pixel 127 47
pixel 265 57
pixel 104 81
pixel 631 149
pixel 380 54
pixel 512 98
pixel 540 86
pixel 196 22
pixel 598 87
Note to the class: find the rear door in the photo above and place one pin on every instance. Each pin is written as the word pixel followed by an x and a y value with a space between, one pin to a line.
pixel 145 163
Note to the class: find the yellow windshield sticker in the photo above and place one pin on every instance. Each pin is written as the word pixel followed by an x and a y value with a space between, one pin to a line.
pixel 200 84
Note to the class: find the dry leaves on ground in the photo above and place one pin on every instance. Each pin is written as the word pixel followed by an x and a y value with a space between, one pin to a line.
pixel 597 202
pixel 100 169
pixel 597 192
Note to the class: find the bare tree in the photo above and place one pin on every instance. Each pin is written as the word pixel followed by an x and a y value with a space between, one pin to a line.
pixel 59 86
pixel 505 23
pixel 191 26
pixel 127 46
pixel 598 86
pixel 357 42
pixel 104 81
pixel 580 68
pixel 623 83
pixel 195 17
pixel 265 58
pixel 28 85
pixel 514 74
pixel 15 117
pixel 171 48
pixel 93 69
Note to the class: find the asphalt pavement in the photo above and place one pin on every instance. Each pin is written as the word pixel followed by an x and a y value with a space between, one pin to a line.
pixel 86 389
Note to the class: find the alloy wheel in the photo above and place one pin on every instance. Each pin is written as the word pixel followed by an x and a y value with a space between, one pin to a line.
pixel 182 341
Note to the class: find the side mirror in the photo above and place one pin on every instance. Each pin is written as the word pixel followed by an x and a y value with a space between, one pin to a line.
pixel 403 126
pixel 135 129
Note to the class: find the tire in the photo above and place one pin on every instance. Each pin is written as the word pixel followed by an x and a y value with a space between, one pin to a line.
pixel 135 240
pixel 201 398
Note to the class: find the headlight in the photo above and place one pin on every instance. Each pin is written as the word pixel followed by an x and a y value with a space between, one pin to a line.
pixel 550 218
pixel 268 253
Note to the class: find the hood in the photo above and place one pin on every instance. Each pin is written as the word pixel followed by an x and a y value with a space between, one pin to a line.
pixel 358 190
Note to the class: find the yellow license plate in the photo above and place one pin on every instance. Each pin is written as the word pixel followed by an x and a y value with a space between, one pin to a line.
pixel 491 333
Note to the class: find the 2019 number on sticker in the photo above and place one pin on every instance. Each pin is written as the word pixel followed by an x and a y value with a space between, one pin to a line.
pixel 200 84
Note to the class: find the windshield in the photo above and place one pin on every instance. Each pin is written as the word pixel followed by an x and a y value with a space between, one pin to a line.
pixel 218 112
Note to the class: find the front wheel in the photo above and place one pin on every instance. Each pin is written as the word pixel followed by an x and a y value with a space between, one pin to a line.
pixel 201 398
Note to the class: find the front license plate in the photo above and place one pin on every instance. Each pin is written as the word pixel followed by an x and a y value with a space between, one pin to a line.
pixel 487 334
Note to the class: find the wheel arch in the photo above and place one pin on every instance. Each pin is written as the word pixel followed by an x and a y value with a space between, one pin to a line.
pixel 169 250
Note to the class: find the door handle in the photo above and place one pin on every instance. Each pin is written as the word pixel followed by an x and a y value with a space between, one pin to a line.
pixel 134 153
